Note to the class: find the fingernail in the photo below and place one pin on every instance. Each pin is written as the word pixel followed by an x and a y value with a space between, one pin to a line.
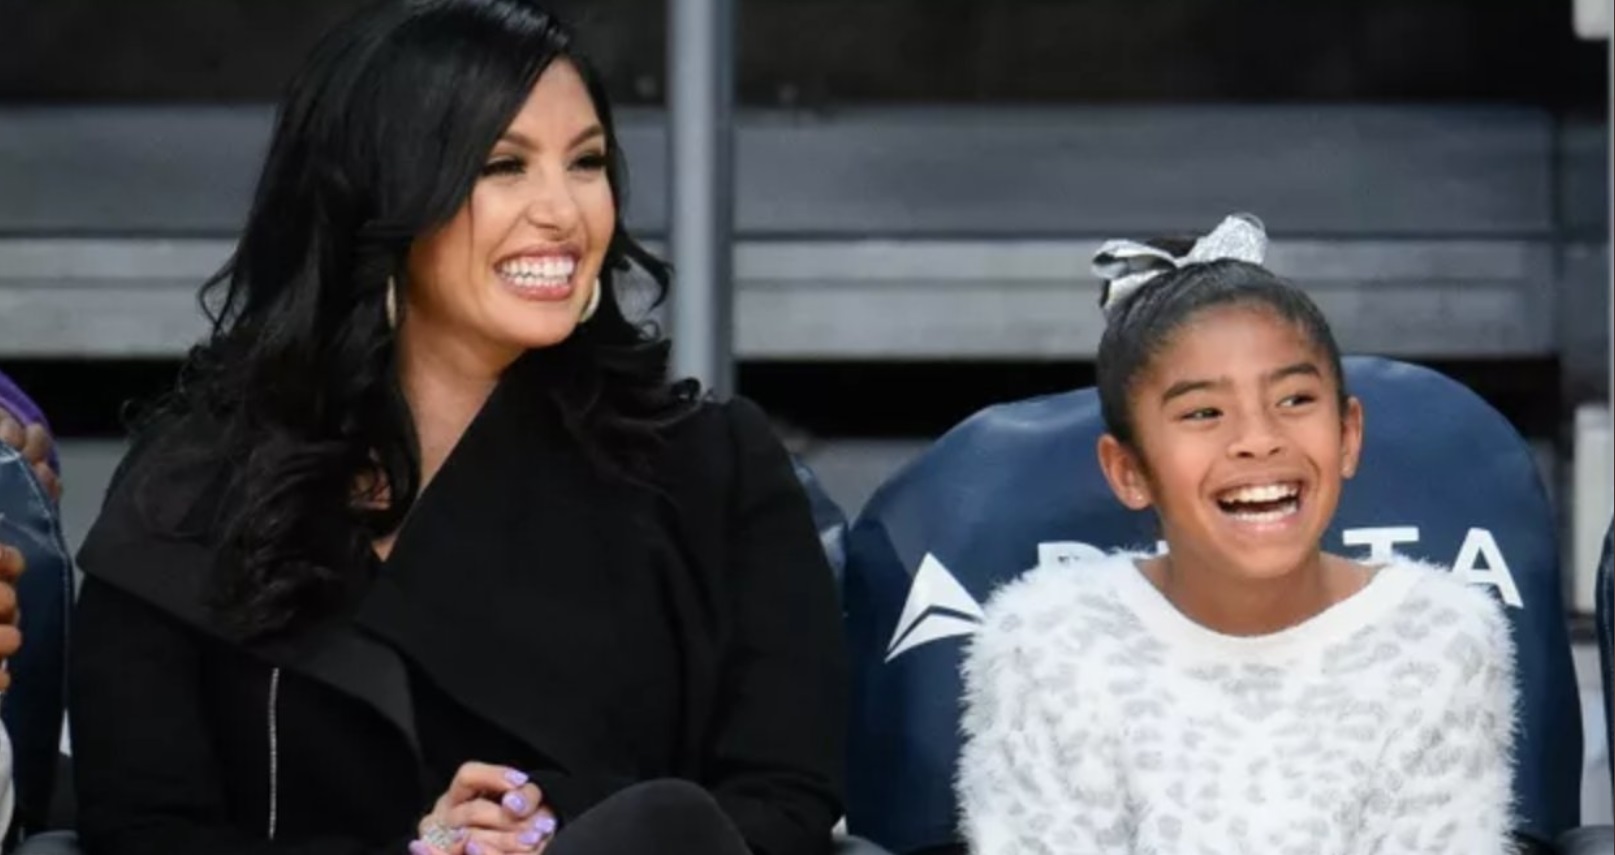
pixel 514 803
pixel 516 778
pixel 529 839
pixel 544 825
pixel 418 848
pixel 473 849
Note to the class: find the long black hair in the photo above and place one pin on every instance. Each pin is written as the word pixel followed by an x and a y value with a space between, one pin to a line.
pixel 1143 323
pixel 380 138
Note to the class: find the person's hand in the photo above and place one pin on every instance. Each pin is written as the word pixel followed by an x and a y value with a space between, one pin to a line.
pixel 487 810
pixel 11 567
pixel 34 442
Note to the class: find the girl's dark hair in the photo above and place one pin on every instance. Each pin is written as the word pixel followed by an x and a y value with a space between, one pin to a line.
pixel 1143 323
pixel 380 138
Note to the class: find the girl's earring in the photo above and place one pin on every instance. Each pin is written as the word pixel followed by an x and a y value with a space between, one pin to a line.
pixel 392 303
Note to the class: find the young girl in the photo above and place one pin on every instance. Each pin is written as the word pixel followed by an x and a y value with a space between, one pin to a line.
pixel 1243 691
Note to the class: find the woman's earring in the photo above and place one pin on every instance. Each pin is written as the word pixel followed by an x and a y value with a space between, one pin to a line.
pixel 592 305
pixel 392 303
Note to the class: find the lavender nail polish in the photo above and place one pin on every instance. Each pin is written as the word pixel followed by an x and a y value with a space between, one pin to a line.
pixel 473 849
pixel 514 803
pixel 516 778
pixel 544 825
pixel 529 839
pixel 418 848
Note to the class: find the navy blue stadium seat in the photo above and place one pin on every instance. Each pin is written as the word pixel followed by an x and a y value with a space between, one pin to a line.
pixel 1601 841
pixel 1444 477
pixel 33 706
pixel 1606 644
pixel 828 518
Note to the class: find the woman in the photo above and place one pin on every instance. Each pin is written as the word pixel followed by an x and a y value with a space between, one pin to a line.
pixel 1244 691
pixel 424 552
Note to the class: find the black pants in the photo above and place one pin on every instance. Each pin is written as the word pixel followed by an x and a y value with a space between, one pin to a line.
pixel 671 817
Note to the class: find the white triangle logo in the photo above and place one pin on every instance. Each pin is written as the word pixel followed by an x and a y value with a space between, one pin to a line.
pixel 938 607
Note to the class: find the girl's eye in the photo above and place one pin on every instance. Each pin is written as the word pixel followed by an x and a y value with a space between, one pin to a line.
pixel 503 166
pixel 1298 400
pixel 591 162
pixel 1200 415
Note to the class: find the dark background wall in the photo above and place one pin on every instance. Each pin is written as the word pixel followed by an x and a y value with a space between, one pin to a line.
pixel 828 52
pixel 824 54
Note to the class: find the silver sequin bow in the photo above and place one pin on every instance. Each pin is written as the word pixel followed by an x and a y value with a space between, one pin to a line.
pixel 1126 265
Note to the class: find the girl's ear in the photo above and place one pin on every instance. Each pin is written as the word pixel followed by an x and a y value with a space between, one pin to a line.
pixel 1124 471
pixel 1351 437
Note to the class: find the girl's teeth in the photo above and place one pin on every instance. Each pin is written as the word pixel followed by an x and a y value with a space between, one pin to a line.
pixel 1263 493
pixel 1266 516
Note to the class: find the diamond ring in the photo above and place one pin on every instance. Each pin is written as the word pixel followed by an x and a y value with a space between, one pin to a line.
pixel 441 837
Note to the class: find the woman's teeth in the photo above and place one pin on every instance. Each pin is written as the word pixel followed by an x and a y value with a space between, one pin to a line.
pixel 538 273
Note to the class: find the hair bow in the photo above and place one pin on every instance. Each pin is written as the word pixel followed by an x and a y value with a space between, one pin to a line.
pixel 1126 265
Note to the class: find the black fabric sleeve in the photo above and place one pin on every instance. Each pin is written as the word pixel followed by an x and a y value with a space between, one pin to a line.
pixel 777 762
pixel 147 779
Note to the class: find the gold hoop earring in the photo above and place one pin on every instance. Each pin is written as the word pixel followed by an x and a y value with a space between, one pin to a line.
pixel 593 304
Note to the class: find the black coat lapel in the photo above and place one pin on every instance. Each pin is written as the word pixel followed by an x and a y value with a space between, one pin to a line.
pixel 500 585
pixel 171 574
pixel 519 538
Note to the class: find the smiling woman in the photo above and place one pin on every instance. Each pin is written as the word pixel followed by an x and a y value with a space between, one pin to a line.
pixel 425 551
pixel 518 266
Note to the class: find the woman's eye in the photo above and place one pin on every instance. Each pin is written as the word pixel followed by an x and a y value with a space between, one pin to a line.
pixel 503 166
pixel 592 162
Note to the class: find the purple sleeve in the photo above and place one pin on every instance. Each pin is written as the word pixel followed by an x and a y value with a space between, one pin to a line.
pixel 16 402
